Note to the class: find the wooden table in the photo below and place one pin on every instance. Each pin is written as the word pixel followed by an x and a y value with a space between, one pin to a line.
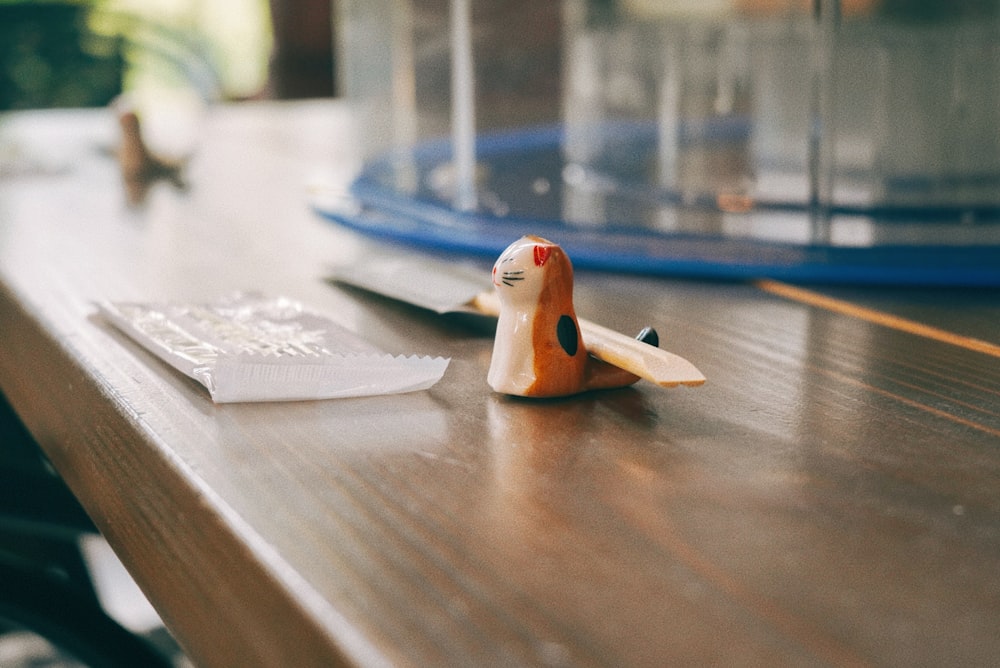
pixel 831 496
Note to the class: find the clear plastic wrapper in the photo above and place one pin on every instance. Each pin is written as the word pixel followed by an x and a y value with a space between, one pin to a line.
pixel 254 348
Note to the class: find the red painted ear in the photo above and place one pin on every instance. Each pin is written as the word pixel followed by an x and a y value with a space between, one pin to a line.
pixel 542 254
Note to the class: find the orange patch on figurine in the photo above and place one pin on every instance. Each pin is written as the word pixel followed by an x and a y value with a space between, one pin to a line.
pixel 538 351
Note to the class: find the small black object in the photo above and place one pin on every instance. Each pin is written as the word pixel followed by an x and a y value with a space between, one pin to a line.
pixel 649 335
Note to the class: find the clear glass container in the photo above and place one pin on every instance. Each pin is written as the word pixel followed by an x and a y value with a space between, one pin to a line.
pixel 851 140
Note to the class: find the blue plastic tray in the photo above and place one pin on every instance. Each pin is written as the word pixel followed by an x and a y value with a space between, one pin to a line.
pixel 514 161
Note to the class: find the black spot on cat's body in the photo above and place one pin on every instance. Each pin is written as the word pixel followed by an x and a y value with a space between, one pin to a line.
pixel 567 335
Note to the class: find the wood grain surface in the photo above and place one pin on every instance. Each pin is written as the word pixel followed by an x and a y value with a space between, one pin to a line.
pixel 831 496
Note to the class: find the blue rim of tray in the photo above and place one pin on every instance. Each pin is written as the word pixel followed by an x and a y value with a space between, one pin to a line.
pixel 381 212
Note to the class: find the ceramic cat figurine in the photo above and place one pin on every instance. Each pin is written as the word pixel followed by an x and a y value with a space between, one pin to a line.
pixel 538 351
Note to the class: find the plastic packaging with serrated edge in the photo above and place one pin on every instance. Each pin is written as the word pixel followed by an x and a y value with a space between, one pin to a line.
pixel 253 348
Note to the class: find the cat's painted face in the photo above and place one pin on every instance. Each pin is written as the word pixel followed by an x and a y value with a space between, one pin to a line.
pixel 520 268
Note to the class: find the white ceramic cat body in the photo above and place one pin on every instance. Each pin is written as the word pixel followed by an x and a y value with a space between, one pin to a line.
pixel 538 351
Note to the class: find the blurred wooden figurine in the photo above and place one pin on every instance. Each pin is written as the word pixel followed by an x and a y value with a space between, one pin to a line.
pixel 139 166
pixel 538 351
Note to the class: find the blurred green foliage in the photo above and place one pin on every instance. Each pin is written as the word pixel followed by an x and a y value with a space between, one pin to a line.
pixel 49 58
pixel 72 53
